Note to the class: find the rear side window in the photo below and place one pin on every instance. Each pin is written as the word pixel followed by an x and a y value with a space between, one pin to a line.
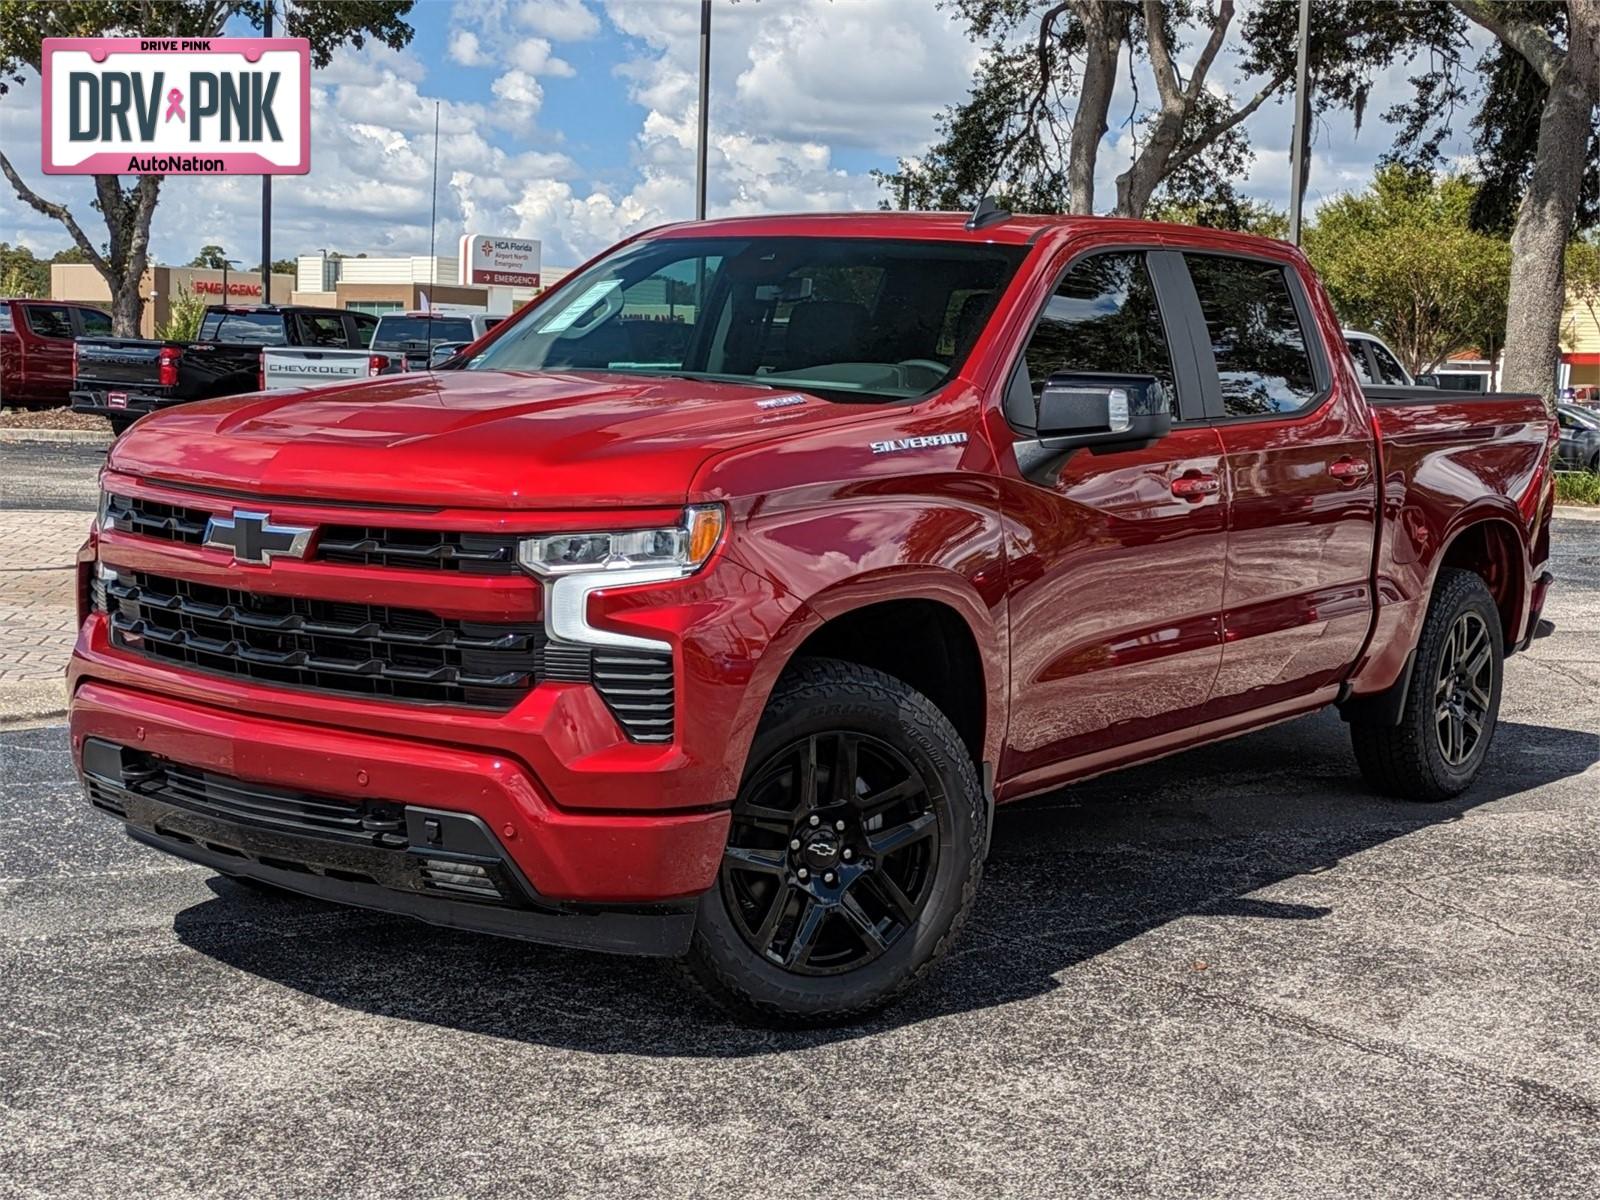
pixel 51 321
pixel 95 322
pixel 1103 317
pixel 5 318
pixel 1263 362
pixel 1358 354
pixel 365 327
pixel 244 328
pixel 1388 369
pixel 322 329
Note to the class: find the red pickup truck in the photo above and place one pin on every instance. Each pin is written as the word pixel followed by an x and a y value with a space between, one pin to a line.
pixel 36 355
pixel 707 607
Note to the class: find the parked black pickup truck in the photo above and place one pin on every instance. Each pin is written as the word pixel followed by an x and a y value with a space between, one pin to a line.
pixel 121 379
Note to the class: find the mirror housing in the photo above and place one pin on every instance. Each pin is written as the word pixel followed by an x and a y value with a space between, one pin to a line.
pixel 1104 411
pixel 443 352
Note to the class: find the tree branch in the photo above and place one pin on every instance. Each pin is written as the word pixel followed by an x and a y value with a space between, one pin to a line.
pixel 1218 128
pixel 57 211
pixel 1526 38
pixel 1202 66
pixel 1161 54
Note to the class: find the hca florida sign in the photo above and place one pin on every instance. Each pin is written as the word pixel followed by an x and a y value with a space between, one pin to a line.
pixel 177 106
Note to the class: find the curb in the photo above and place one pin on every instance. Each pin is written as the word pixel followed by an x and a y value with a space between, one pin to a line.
pixel 79 436
pixel 1578 512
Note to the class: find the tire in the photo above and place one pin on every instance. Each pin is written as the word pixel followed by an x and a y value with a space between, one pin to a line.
pixel 846 922
pixel 1420 758
pixel 120 424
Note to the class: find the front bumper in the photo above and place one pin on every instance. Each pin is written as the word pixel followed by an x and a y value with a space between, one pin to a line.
pixel 562 857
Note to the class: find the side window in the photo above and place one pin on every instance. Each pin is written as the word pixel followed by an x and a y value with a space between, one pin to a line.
pixel 1358 352
pixel 1103 317
pixel 95 323
pixel 1263 363
pixel 1387 367
pixel 366 326
pixel 51 322
pixel 322 330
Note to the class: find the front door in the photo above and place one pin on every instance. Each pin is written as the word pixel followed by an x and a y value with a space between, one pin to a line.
pixel 1114 560
pixel 47 363
pixel 1302 480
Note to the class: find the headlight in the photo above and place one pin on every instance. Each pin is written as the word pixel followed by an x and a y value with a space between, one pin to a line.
pixel 575 565
pixel 681 548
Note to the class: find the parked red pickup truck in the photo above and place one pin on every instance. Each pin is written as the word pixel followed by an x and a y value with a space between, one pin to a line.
pixel 708 606
pixel 36 338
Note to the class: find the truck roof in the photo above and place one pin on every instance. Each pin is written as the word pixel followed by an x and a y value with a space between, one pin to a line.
pixel 1008 229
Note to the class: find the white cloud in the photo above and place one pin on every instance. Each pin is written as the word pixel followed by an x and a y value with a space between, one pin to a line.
pixel 466 50
pixel 534 56
pixel 563 20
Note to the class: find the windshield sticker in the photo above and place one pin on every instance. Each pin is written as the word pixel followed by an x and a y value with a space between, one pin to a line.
pixel 788 401
pixel 919 443
pixel 591 296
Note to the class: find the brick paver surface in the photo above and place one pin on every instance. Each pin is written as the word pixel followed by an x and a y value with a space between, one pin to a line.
pixel 37 607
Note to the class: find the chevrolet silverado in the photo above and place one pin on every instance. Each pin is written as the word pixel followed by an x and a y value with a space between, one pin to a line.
pixel 708 606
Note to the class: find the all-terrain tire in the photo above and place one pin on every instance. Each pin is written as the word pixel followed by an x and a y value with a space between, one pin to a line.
pixel 120 424
pixel 1406 761
pixel 822 697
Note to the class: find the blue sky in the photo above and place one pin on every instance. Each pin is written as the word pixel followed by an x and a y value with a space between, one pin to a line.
pixel 573 121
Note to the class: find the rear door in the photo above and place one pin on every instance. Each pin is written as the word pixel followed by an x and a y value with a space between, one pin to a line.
pixel 1114 565
pixel 47 357
pixel 1302 480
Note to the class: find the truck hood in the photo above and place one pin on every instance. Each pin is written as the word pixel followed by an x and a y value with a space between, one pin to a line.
pixel 469 439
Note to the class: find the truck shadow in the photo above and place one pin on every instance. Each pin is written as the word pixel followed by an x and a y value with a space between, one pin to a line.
pixel 1071 876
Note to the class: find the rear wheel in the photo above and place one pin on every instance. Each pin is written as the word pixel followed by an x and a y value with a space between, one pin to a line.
pixel 120 423
pixel 1453 704
pixel 853 854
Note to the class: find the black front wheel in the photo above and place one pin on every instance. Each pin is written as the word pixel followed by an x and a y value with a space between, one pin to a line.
pixel 853 855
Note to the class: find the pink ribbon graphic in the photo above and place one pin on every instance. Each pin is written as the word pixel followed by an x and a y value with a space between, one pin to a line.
pixel 175 106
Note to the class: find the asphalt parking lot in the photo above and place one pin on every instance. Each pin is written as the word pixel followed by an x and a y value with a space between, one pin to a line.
pixel 1230 973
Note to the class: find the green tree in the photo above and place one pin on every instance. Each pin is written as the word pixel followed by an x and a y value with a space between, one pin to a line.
pixel 183 319
pixel 1538 153
pixel 1032 127
pixel 1232 212
pixel 281 266
pixel 21 274
pixel 128 211
pixel 214 257
pixel 1402 260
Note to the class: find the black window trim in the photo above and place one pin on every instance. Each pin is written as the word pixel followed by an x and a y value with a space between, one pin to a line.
pixel 1211 381
pixel 1177 326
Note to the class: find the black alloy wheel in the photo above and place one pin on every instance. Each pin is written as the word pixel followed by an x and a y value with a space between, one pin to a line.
pixel 1463 688
pixel 855 846
pixel 832 854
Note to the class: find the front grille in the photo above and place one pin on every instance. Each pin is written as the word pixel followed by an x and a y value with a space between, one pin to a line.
pixel 357 649
pixel 418 549
pixel 153 519
pixel 373 650
pixel 358 545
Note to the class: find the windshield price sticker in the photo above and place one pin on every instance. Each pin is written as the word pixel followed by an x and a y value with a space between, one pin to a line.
pixel 591 296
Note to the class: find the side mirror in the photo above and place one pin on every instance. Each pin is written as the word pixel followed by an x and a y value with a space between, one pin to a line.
pixel 1426 381
pixel 1103 411
pixel 443 352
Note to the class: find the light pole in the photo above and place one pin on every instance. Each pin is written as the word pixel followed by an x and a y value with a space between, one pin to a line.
pixel 705 103
pixel 266 196
pixel 1302 114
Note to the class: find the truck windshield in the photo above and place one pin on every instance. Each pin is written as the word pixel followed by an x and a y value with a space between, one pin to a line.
pixel 420 333
pixel 864 319
pixel 245 328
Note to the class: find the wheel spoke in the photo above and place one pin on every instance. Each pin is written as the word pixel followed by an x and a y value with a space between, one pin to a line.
pixel 808 774
pixel 805 934
pixel 1479 696
pixel 765 817
pixel 863 924
pixel 762 937
pixel 894 794
pixel 1479 663
pixel 766 862
pixel 890 896
pixel 898 837
pixel 845 767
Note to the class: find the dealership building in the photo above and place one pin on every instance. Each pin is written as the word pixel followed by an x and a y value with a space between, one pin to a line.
pixel 374 285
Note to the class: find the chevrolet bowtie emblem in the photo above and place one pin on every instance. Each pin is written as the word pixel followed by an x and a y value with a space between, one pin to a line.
pixel 253 539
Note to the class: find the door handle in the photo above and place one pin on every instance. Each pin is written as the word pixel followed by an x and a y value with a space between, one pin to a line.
pixel 1349 470
pixel 1195 486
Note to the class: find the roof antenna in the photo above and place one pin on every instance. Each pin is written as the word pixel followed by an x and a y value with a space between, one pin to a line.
pixel 987 213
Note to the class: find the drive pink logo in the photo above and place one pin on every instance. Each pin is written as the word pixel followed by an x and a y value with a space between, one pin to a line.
pixel 177 106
